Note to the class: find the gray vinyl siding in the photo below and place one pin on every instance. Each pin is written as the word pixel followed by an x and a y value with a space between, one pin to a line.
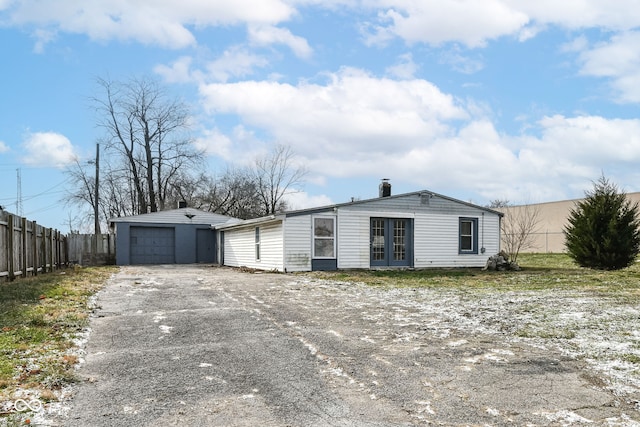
pixel 353 240
pixel 298 241
pixel 240 247
pixel 436 231
pixel 436 240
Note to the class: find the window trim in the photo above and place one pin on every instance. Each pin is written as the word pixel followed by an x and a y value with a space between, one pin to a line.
pixel 474 236
pixel 314 237
pixel 257 243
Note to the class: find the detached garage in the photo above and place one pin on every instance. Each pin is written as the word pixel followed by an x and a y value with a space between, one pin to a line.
pixel 179 236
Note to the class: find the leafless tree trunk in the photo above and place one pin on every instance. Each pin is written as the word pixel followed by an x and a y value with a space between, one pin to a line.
pixel 148 131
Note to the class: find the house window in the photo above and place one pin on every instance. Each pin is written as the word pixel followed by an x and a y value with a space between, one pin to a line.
pixel 468 236
pixel 324 237
pixel 257 243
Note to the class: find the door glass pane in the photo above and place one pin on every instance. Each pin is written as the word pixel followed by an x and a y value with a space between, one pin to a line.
pixel 377 244
pixel 399 240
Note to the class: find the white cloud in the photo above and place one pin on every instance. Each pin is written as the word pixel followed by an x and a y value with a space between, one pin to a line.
pixel 240 147
pixel 302 200
pixel 352 112
pixel 161 23
pixel 43 37
pixel 357 125
pixel 48 149
pixel 405 68
pixel 578 14
pixel 166 23
pixel 619 60
pixel 578 44
pixel 590 140
pixel 461 63
pixel 470 22
pixel 214 143
pixel 178 72
pixel 235 62
pixel 475 22
pixel 265 35
pixel 3 147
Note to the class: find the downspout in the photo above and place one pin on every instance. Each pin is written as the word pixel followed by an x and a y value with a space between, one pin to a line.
pixel 482 248
pixel 284 244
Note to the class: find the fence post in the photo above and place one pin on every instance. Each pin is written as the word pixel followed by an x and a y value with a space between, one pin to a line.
pixel 51 250
pixel 43 250
pixel 24 247
pixel 10 247
pixel 34 246
pixel 66 251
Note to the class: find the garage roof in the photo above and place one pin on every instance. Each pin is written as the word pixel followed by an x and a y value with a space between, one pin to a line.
pixel 175 216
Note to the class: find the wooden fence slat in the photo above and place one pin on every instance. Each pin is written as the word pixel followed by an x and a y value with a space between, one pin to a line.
pixel 34 246
pixel 44 250
pixel 10 248
pixel 23 256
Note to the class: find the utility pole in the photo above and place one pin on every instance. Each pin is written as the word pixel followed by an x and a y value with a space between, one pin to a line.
pixel 94 240
pixel 97 197
pixel 19 193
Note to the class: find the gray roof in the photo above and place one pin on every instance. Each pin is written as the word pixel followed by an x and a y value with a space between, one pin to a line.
pixel 281 216
pixel 395 196
pixel 176 216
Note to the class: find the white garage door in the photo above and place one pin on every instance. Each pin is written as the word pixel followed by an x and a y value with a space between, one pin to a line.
pixel 152 245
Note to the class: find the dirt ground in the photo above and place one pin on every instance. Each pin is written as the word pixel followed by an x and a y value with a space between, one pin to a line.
pixel 188 345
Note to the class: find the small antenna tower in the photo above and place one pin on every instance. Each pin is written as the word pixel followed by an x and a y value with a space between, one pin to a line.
pixel 19 193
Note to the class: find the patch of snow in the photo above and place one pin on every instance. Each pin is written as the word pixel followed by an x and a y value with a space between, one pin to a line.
pixel 165 329
pixel 493 412
pixel 566 418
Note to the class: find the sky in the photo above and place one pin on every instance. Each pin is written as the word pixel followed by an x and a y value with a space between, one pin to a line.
pixel 474 99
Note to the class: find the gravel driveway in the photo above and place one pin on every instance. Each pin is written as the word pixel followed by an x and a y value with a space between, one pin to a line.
pixel 206 346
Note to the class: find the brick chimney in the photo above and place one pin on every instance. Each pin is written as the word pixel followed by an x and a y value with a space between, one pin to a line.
pixel 385 188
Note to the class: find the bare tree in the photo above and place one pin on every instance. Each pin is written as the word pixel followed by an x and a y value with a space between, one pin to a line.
pixel 275 175
pixel 234 194
pixel 147 131
pixel 518 226
pixel 83 191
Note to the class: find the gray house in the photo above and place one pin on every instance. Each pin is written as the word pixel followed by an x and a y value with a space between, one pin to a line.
pixel 414 230
pixel 179 236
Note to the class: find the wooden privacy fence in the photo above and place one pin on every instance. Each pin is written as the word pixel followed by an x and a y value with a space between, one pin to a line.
pixel 92 249
pixel 27 248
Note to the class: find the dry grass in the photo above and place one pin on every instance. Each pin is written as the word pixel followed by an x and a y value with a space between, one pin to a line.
pixel 39 318
pixel 539 272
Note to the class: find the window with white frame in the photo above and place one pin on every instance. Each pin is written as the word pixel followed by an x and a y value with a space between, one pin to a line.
pixel 257 243
pixel 324 237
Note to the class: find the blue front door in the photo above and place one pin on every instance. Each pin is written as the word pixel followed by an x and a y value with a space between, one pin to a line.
pixel 391 242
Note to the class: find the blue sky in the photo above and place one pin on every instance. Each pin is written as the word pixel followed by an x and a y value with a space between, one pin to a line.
pixel 478 100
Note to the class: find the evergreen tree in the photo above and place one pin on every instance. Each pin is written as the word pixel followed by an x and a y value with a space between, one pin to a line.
pixel 603 230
